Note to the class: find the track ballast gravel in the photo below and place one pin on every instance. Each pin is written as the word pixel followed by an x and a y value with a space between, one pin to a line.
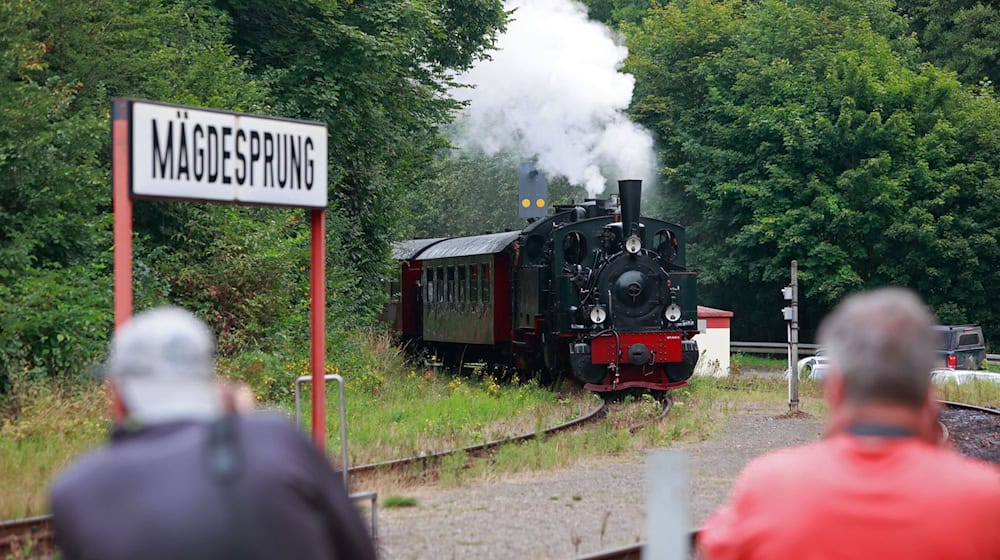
pixel 569 512
pixel 973 432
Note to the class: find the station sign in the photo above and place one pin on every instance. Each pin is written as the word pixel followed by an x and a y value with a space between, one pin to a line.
pixel 187 153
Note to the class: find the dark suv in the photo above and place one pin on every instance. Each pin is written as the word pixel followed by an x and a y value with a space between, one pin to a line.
pixel 961 346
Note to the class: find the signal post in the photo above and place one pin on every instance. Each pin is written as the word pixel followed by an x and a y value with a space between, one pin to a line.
pixel 791 314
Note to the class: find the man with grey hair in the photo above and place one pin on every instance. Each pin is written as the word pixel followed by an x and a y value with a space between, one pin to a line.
pixel 880 485
pixel 190 473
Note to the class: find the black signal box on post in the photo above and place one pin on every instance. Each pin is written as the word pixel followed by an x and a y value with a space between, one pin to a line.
pixel 532 192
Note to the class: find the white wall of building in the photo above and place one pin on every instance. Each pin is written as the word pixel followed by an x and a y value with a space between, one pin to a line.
pixel 713 347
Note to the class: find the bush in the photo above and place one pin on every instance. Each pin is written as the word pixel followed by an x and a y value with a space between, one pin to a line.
pixel 55 320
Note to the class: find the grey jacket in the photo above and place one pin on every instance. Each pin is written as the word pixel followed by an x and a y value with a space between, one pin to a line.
pixel 243 487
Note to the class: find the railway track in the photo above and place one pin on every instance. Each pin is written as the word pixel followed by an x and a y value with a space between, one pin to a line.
pixel 33 537
pixel 429 459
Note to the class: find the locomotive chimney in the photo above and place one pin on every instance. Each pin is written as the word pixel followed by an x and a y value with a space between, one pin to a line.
pixel 630 191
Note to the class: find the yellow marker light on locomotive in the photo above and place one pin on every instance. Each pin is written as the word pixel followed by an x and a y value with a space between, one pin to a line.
pixel 525 202
pixel 540 203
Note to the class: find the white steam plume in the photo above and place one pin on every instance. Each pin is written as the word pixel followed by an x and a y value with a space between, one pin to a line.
pixel 553 90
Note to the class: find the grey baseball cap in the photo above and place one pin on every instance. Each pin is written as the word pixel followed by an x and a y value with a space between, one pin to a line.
pixel 162 362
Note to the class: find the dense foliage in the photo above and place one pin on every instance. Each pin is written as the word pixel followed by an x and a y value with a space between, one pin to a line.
pixel 477 193
pixel 961 35
pixel 807 130
pixel 375 72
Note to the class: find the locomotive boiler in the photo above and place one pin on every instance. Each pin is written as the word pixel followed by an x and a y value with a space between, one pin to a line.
pixel 594 290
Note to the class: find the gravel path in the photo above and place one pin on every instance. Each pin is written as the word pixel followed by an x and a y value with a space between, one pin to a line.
pixel 587 509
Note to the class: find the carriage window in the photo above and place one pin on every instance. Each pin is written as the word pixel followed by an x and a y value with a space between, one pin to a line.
pixel 451 284
pixel 486 283
pixel 474 283
pixel 429 283
pixel 440 284
pixel 461 283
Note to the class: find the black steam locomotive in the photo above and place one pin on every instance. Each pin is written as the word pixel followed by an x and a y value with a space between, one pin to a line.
pixel 593 289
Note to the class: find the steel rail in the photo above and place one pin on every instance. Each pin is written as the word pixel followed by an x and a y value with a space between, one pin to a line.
pixel 31 534
pixel 666 403
pixel 598 412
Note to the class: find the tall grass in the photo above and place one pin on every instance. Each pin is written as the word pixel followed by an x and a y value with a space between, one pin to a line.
pixel 757 361
pixel 395 409
pixel 42 427
pixel 978 392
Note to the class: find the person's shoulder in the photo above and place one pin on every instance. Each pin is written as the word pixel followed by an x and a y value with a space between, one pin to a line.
pixel 778 463
pixel 270 423
pixel 272 426
pixel 97 464
pixel 966 471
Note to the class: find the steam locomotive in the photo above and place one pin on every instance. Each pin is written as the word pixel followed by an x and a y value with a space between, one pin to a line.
pixel 594 290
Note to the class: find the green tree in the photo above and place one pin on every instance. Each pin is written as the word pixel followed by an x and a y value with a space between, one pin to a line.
pixel 804 130
pixel 61 63
pixel 471 194
pixel 963 36
pixel 377 73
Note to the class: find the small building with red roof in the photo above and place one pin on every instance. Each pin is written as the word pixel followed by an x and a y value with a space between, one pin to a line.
pixel 713 341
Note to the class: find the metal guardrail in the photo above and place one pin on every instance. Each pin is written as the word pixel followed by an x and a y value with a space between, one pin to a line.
pixel 804 349
pixel 770 347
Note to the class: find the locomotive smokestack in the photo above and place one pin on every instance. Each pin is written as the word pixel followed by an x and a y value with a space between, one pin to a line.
pixel 630 192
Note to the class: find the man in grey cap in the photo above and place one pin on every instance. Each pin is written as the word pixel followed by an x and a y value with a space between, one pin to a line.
pixel 186 476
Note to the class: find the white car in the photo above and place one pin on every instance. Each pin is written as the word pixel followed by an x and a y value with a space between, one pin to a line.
pixel 813 367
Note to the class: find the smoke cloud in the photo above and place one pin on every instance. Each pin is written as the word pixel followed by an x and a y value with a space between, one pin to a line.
pixel 553 91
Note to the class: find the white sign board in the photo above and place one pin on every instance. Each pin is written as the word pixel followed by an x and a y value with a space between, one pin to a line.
pixel 198 154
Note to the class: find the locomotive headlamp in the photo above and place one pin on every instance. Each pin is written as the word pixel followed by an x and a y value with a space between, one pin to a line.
pixel 633 244
pixel 673 312
pixel 598 315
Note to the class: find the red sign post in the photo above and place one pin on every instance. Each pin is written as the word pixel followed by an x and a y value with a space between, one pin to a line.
pixel 173 152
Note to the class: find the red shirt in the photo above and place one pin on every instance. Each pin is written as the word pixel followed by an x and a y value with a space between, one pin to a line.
pixel 853 497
